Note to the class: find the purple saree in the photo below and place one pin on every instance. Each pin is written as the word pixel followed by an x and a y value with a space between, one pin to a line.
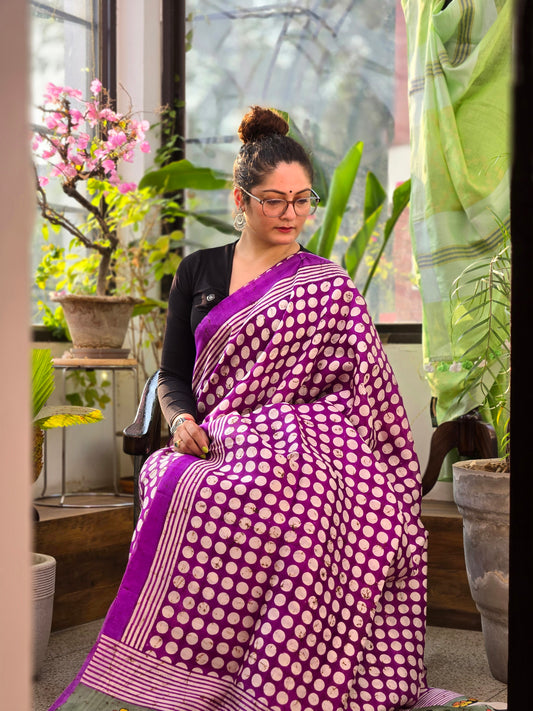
pixel 285 572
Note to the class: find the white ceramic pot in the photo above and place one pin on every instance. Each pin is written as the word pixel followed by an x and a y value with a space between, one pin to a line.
pixel 482 498
pixel 44 579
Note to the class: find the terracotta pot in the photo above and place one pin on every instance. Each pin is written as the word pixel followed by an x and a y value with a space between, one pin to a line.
pixel 482 498
pixel 97 324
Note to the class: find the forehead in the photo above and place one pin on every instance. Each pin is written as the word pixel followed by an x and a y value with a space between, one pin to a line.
pixel 286 178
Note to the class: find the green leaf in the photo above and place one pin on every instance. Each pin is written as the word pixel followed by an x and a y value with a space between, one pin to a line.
pixel 375 196
pixel 149 305
pixel 182 174
pixel 320 181
pixel 213 222
pixel 65 416
pixel 341 187
pixel 42 378
pixel 400 200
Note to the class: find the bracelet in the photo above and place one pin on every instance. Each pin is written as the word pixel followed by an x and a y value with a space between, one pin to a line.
pixel 179 420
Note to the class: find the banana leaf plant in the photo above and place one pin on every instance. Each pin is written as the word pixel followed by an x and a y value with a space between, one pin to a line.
pixel 375 199
pixel 335 195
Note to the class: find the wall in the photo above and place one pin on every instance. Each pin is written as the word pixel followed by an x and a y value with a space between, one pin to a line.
pixel 16 208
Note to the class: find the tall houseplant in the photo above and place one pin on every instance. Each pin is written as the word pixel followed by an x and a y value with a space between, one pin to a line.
pixel 481 326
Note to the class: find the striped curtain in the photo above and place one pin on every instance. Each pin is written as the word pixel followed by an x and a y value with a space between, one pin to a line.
pixel 459 110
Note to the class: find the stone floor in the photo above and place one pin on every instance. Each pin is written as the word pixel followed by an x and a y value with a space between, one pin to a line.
pixel 455 660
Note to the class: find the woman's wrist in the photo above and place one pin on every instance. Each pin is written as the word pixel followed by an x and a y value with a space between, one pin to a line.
pixel 179 420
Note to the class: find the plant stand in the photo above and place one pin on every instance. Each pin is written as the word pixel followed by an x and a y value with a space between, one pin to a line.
pixel 118 498
pixel 482 498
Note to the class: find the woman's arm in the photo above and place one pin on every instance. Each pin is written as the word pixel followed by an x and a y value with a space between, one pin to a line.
pixel 177 362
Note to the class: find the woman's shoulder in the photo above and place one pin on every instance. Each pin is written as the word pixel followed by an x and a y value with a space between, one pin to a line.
pixel 206 261
pixel 208 255
pixel 323 265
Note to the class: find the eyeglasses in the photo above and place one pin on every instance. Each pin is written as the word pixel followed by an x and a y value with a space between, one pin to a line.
pixel 276 207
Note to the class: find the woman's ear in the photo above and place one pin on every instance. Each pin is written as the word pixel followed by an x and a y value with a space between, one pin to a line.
pixel 237 196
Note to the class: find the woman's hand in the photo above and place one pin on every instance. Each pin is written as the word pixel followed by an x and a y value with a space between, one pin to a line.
pixel 190 438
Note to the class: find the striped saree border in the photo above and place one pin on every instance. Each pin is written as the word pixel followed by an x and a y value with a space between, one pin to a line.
pixel 146 681
pixel 164 561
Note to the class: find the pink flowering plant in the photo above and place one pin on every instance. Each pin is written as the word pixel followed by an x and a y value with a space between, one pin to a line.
pixel 82 143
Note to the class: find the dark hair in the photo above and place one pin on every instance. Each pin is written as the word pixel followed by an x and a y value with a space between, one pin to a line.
pixel 266 145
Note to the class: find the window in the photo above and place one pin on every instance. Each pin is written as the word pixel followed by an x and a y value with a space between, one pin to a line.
pixel 336 68
pixel 71 43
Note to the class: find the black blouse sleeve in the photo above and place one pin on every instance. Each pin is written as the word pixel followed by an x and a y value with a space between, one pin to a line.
pixel 201 282
pixel 177 358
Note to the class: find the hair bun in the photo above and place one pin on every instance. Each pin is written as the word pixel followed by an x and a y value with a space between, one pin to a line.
pixel 259 123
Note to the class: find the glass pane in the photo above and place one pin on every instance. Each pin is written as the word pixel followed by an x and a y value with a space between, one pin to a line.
pixel 63 51
pixel 330 65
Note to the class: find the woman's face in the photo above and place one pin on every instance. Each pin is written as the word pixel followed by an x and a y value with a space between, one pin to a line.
pixel 288 181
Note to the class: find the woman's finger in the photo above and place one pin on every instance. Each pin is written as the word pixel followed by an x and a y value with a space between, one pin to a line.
pixel 189 438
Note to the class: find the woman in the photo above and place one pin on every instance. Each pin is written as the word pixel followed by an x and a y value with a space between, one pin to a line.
pixel 279 559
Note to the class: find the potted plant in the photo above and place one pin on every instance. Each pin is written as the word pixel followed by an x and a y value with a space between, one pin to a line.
pixel 82 143
pixel 46 417
pixel 481 325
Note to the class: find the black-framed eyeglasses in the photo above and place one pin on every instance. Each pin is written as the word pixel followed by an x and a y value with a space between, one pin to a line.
pixel 276 207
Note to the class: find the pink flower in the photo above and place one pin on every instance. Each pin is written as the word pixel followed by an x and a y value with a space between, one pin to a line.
pixel 76 116
pixel 127 187
pixel 43 181
pixel 109 115
pixel 116 139
pixel 108 165
pixel 96 86
pixel 83 141
pixel 51 122
pixel 145 147
pixel 52 92
pixel 69 91
pixel 92 113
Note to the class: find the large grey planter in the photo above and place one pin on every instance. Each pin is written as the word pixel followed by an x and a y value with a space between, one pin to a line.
pixel 482 498
pixel 44 579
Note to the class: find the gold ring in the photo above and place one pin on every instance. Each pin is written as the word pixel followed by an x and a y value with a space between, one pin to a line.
pixel 177 444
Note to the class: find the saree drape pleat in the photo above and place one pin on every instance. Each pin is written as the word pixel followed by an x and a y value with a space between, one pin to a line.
pixel 287 571
pixel 459 109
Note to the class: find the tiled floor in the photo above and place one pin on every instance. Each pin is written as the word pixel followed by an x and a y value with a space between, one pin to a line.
pixel 455 660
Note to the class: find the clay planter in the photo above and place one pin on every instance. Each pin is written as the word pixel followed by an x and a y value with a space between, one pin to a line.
pixel 97 324
pixel 482 498
pixel 43 578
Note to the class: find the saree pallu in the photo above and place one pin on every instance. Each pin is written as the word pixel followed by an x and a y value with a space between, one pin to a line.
pixel 287 570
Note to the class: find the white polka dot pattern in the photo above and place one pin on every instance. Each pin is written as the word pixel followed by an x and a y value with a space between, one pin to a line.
pixel 290 565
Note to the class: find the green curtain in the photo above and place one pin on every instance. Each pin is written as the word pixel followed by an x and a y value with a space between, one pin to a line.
pixel 459 109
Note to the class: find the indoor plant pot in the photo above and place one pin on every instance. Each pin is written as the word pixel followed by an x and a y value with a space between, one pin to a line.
pixel 43 579
pixel 97 324
pixel 482 497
